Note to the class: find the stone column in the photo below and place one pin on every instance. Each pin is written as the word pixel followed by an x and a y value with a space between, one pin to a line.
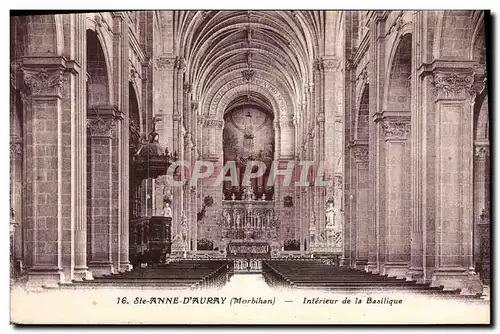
pixel 46 168
pixel 80 145
pixel 16 179
pixel 214 154
pixel 453 178
pixel 100 214
pixel 360 204
pixel 397 194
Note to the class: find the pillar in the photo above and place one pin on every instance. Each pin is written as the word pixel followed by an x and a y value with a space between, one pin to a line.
pixel 397 194
pixel 454 179
pixel 360 204
pixel 48 170
pixel 102 184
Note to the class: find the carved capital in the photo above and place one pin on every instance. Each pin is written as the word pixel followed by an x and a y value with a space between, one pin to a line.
pixel 133 74
pixel 363 75
pixel 453 85
pixel 331 63
pixel 100 127
pixel 320 118
pixel 43 81
pixel 396 129
pixel 318 64
pixel 194 105
pixel 338 181
pixel 165 63
pixel 360 153
pixel 287 121
pixel 180 63
pixel 481 151
pixel 16 149
pixel 176 116
pixel 214 123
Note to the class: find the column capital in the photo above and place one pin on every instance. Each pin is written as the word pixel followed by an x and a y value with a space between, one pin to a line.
pixel 165 63
pixel 331 63
pixel 176 116
pixel 187 87
pixel 481 151
pixel 452 84
pixel 44 76
pixel 100 127
pixel 287 121
pixel 194 105
pixel 396 129
pixel 180 63
pixel 16 149
pixel 360 153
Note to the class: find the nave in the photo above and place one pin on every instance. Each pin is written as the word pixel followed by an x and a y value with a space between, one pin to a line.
pixel 277 275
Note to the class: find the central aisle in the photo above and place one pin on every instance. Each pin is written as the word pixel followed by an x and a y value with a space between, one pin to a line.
pixel 242 283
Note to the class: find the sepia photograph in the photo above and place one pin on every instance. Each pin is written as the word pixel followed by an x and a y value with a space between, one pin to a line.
pixel 244 167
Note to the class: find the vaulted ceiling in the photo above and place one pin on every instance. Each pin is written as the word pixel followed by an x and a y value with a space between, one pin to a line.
pixel 281 45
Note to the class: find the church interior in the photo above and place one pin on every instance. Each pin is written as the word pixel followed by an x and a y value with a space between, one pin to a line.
pixel 131 134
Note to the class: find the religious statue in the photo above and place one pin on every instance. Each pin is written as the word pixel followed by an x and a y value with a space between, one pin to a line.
pixel 263 196
pixel 330 216
pixel 183 226
pixel 227 218
pixel 237 220
pixel 248 193
pixel 167 210
pixel 233 197
pixel 313 219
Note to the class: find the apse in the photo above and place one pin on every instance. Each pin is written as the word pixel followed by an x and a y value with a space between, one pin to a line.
pixel 248 135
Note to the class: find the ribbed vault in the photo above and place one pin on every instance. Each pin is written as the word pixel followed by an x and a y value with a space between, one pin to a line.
pixel 271 49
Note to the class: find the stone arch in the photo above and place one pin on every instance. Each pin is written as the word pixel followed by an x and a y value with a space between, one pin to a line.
pixel 478 44
pixel 215 102
pixel 44 35
pixel 453 31
pixel 98 80
pixel 135 112
pixel 362 117
pixel 259 78
pixel 397 91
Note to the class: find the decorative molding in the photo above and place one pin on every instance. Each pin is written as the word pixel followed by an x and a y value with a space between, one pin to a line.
pixel 100 127
pixel 43 81
pixel 248 74
pixel 165 63
pixel 397 129
pixel 360 153
pixel 453 84
pixel 214 123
